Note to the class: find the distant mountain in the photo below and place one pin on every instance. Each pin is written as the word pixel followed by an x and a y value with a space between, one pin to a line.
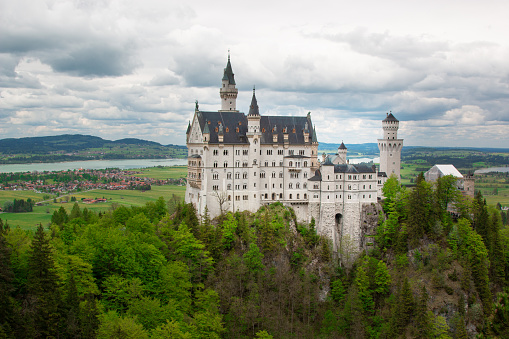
pixel 372 148
pixel 67 143
pixel 134 141
pixel 362 149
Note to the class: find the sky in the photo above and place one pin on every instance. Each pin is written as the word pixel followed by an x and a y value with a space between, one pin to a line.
pixel 133 69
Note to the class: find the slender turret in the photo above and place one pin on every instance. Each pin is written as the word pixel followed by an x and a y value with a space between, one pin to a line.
pixel 390 147
pixel 228 91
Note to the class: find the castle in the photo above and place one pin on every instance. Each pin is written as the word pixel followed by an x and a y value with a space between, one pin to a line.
pixel 240 162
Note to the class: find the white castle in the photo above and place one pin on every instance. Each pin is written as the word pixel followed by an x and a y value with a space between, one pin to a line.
pixel 240 162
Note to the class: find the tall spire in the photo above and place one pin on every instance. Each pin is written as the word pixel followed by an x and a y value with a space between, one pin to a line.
pixel 228 92
pixel 253 109
pixel 228 72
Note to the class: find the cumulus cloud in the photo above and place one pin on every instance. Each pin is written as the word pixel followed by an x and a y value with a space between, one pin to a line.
pixel 130 68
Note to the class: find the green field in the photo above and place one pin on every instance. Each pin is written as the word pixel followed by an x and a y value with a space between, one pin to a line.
pixel 42 214
pixel 6 196
pixel 174 172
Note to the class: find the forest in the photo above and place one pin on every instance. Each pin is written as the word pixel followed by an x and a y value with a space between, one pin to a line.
pixel 438 268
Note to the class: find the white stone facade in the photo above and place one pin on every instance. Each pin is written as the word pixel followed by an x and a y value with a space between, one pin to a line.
pixel 240 162
pixel 390 147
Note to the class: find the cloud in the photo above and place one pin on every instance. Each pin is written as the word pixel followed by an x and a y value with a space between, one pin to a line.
pixel 126 67
pixel 94 59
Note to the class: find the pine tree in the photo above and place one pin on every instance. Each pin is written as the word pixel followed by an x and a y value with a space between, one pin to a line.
pixel 420 208
pixel 422 321
pixel 72 307
pixel 495 249
pixel 461 330
pixel 42 286
pixel 406 305
pixel 6 278
pixel 89 317
pixel 75 212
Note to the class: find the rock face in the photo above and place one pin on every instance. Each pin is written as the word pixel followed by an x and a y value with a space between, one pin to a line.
pixel 369 221
pixel 356 221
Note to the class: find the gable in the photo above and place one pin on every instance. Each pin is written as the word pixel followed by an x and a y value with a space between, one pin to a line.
pixel 195 135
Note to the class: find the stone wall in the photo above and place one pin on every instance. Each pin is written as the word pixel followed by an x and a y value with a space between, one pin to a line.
pixel 369 221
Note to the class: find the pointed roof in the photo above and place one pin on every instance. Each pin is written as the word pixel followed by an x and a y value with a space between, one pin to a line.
pixel 228 72
pixel 253 109
pixel 390 117
pixel 188 127
pixel 314 139
pixel 328 162
pixel 342 146
pixel 206 128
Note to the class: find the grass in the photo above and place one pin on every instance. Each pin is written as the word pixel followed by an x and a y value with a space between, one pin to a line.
pixel 174 172
pixel 42 214
pixel 6 196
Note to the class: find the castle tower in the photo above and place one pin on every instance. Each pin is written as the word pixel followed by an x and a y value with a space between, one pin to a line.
pixel 342 153
pixel 228 92
pixel 390 147
pixel 253 117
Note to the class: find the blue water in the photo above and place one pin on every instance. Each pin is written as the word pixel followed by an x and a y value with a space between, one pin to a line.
pixel 91 164
pixel 492 169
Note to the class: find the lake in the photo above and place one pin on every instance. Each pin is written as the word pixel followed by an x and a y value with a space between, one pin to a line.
pixel 492 169
pixel 91 164
pixel 122 164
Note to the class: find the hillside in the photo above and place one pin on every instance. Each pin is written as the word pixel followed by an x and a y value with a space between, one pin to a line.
pixel 159 272
pixel 82 147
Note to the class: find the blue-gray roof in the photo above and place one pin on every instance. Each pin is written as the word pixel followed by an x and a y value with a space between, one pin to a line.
pixel 228 73
pixel 235 127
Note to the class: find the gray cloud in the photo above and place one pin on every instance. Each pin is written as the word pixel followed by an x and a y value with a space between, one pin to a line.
pixel 128 68
pixel 94 59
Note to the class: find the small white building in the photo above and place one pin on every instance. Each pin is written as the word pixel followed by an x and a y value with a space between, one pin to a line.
pixel 464 183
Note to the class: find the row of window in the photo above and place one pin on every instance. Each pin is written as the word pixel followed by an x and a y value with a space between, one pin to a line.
pixel 350 176
pixel 266 196
pixel 244 186
pixel 245 164
pixel 316 186
pixel 349 196
pixel 215 176
pixel 246 152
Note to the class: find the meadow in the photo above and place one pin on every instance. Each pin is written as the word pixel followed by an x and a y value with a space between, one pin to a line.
pixel 42 214
pixel 162 173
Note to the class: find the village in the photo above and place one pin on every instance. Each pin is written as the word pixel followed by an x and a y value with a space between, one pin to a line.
pixel 65 182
